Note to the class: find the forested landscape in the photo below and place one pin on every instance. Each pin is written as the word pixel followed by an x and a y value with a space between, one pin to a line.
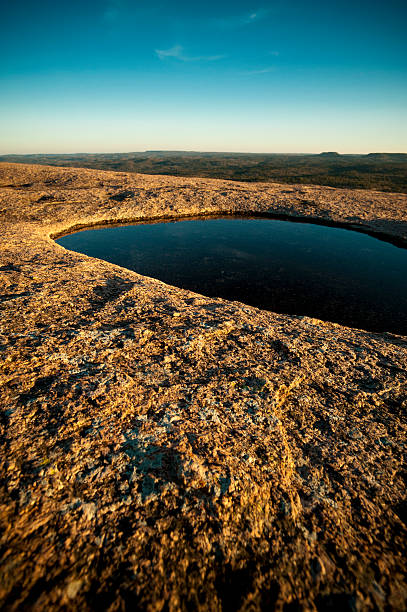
pixel 380 171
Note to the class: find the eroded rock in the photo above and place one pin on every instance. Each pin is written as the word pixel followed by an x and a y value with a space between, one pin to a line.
pixel 164 450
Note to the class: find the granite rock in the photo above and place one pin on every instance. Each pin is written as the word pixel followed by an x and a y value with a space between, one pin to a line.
pixel 162 450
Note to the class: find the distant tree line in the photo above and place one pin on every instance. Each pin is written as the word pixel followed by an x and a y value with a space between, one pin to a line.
pixel 381 171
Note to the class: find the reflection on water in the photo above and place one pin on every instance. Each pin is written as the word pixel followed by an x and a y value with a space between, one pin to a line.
pixel 295 268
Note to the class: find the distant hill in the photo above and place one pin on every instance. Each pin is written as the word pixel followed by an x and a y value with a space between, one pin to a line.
pixel 381 171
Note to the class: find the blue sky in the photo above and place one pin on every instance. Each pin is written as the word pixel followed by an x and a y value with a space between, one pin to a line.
pixel 122 75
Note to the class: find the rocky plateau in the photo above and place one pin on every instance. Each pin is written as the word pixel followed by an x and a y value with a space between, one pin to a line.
pixel 162 450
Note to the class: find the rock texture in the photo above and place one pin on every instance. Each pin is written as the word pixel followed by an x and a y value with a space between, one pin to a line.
pixel 161 450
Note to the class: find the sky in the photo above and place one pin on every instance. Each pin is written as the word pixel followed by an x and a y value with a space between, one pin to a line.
pixel 128 75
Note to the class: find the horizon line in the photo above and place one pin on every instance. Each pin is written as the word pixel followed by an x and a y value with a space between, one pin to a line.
pixel 202 151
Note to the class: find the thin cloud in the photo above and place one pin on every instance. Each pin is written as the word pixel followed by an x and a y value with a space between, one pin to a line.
pixel 177 52
pixel 237 21
pixel 257 15
pixel 257 71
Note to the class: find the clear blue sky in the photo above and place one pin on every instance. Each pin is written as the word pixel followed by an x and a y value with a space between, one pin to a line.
pixel 127 75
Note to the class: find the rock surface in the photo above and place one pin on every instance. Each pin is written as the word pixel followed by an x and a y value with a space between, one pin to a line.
pixel 162 450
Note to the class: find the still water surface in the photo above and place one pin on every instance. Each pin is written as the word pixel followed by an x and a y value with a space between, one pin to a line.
pixel 296 268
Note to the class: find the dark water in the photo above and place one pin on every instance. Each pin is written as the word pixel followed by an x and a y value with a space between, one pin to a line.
pixel 297 268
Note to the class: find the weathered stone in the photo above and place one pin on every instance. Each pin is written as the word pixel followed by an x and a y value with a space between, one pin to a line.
pixel 164 450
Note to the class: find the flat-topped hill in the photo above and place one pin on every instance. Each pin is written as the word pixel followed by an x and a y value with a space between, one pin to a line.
pixel 165 450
